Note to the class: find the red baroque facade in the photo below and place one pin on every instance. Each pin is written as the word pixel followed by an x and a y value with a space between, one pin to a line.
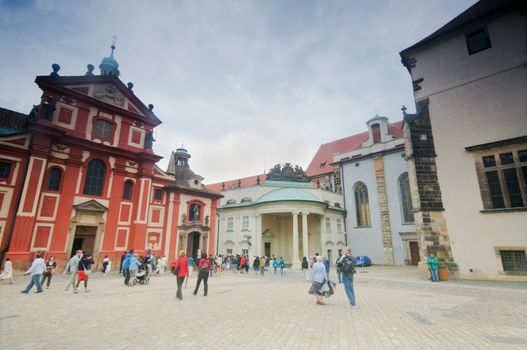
pixel 79 173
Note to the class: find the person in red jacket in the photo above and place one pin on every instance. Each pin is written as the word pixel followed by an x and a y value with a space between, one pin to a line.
pixel 182 272
pixel 243 261
pixel 204 269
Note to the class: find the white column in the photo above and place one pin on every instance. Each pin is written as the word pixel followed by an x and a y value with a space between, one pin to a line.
pixel 294 260
pixel 258 238
pixel 305 242
pixel 322 235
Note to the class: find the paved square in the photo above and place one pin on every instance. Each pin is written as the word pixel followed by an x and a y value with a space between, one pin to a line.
pixel 397 310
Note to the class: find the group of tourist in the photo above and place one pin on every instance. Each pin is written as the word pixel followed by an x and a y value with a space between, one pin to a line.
pixel 181 269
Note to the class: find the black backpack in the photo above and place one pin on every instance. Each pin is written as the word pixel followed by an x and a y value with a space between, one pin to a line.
pixel 347 265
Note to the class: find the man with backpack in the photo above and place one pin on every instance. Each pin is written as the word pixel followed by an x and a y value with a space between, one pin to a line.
pixel 346 264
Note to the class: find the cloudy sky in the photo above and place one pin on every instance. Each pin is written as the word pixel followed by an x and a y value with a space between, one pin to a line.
pixel 242 84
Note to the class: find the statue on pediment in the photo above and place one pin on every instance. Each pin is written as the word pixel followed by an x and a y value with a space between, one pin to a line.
pixel 109 93
pixel 287 173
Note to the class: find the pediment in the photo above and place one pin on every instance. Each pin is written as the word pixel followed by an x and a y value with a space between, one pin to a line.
pixel 91 205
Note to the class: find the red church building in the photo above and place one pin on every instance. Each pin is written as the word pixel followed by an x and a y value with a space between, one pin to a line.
pixel 79 172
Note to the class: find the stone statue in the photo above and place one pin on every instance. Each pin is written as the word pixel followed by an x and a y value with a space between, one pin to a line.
pixel 183 218
pixel 56 69
pixel 149 139
pixel 90 68
pixel 207 220
pixel 49 109
pixel 34 113
pixel 194 212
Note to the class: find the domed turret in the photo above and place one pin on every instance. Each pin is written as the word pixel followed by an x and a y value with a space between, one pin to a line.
pixel 109 65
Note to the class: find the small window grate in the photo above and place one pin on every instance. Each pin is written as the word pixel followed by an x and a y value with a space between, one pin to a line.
pixel 514 261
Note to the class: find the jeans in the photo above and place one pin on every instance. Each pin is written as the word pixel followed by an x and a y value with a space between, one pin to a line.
pixel 347 280
pixel 339 275
pixel 180 280
pixel 72 282
pixel 126 276
pixel 202 276
pixel 435 275
pixel 46 276
pixel 35 280
pixel 262 271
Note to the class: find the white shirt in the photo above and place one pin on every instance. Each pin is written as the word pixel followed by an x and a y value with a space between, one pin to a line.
pixel 37 267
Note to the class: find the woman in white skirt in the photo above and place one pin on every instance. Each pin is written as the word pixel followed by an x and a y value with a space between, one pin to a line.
pixel 7 274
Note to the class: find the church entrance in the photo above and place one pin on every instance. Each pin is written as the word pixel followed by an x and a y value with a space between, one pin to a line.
pixel 267 249
pixel 193 244
pixel 414 253
pixel 84 239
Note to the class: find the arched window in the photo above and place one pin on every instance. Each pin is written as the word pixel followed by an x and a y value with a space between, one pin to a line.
pixel 406 199
pixel 128 187
pixel 103 129
pixel 95 176
pixel 362 206
pixel 54 176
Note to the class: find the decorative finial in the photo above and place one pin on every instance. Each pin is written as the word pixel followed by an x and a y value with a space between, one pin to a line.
pixel 403 108
pixel 151 107
pixel 90 68
pixel 113 44
pixel 56 69
pixel 130 85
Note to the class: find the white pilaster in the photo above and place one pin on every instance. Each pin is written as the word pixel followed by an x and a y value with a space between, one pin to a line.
pixel 258 238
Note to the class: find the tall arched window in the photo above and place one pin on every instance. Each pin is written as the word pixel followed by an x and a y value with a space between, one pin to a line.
pixel 95 176
pixel 362 205
pixel 128 187
pixel 406 199
pixel 54 176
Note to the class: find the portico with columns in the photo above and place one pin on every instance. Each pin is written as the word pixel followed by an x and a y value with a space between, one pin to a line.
pixel 289 219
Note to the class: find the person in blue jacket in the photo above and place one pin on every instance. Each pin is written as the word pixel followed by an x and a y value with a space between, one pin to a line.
pixel 126 267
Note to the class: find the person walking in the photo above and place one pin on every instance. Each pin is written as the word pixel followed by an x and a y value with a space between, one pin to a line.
pixel 203 268
pixel 256 265
pixel 182 272
pixel 281 265
pixel 262 266
pixel 105 263
pixel 275 265
pixel 122 261
pixel 7 274
pixel 72 267
pixel 83 271
pixel 433 264
pixel 318 278
pixel 326 263
pixel 36 270
pixel 305 268
pixel 339 273
pixel 132 269
pixel 242 263
pixel 126 267
pixel 191 264
pixel 346 264
pixel 50 268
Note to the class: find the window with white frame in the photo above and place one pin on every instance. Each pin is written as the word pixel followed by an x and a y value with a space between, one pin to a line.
pixel 502 175
pixel 328 224
pixel 339 225
pixel 245 223
pixel 245 251
pixel 230 223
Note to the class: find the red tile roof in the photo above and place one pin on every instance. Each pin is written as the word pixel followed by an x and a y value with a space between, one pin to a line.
pixel 321 163
pixel 12 120
pixel 243 182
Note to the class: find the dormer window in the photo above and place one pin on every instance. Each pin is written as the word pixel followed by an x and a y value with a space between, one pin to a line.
pixel 376 131
pixel 477 41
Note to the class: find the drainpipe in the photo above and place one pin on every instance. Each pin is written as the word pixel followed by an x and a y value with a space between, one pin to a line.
pixel 344 200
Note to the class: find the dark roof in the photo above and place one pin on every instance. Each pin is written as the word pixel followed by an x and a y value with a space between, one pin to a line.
pixel 480 9
pixel 12 122
pixel 183 175
pixel 204 192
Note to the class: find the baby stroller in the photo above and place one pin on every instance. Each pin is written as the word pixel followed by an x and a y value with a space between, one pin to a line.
pixel 142 276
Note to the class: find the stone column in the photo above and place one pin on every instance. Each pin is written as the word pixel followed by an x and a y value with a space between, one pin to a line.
pixel 305 242
pixel 258 238
pixel 322 235
pixel 294 260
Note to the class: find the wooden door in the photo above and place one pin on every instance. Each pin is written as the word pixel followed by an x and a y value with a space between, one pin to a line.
pixel 414 253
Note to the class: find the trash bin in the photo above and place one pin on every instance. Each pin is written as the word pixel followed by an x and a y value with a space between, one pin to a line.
pixel 443 274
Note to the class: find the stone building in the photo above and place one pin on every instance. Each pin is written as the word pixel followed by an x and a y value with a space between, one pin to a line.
pixel 80 173
pixel 280 214
pixel 466 144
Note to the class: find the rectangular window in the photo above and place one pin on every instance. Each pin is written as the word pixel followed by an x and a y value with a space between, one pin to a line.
pixel 514 261
pixel 330 255
pixel 5 170
pixel 103 129
pixel 245 251
pixel 245 223
pixel 230 223
pixel 339 225
pixel 328 225
pixel 229 251
pixel 477 41
pixel 158 194
pixel 502 175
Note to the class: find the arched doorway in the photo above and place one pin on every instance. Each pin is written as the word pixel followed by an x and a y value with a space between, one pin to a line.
pixel 193 244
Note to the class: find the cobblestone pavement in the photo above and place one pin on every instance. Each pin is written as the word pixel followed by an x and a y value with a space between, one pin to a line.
pixel 396 310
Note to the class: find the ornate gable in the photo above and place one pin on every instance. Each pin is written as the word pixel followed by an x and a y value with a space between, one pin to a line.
pixel 91 205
